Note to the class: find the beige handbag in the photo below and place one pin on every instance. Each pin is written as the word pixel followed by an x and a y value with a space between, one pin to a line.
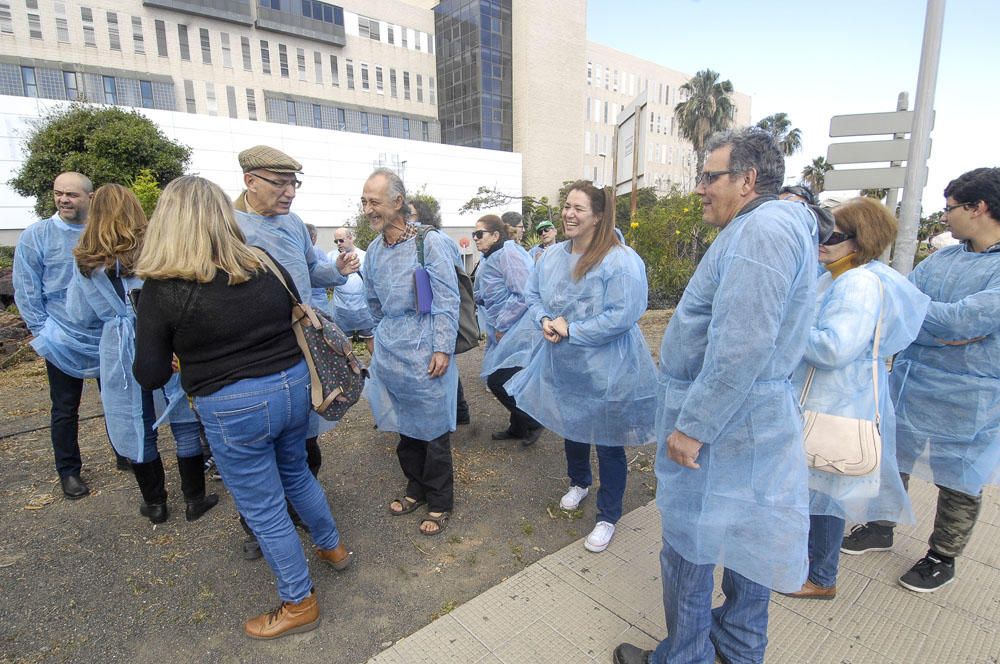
pixel 844 445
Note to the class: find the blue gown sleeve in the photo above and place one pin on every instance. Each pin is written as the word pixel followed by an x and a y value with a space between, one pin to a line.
pixel 321 275
pixel 440 266
pixel 374 304
pixel 973 316
pixel 516 274
pixel 743 335
pixel 846 322
pixel 533 299
pixel 78 300
pixel 27 282
pixel 624 303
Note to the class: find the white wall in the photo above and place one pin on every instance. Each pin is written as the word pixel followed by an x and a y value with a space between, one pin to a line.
pixel 335 164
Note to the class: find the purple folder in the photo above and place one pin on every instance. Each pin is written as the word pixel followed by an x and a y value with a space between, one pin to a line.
pixel 422 288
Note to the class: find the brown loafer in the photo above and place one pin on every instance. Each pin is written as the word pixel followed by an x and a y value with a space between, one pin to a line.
pixel 289 618
pixel 338 557
pixel 811 591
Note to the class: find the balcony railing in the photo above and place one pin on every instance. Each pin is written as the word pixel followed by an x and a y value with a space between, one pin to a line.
pixel 300 26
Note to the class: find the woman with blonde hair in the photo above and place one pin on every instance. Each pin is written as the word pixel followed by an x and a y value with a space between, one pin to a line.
pixel 590 377
pixel 99 295
pixel 209 300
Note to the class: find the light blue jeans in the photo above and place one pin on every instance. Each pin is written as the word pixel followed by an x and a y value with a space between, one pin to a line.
pixel 256 428
pixel 737 630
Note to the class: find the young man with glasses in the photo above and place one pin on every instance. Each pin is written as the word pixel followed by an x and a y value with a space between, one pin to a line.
pixel 946 385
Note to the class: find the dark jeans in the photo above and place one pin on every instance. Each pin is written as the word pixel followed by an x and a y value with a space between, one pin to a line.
pixel 462 410
pixel 65 392
pixel 613 470
pixel 428 470
pixel 520 422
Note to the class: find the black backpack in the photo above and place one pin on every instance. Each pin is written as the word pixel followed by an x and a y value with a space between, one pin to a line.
pixel 468 323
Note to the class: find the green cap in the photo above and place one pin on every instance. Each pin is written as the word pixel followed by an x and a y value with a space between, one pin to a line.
pixel 544 225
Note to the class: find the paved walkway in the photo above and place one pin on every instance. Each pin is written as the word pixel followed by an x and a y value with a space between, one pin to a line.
pixel 575 606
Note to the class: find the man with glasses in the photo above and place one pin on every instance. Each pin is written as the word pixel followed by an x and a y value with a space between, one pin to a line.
pixel 547 237
pixel 946 385
pixel 350 306
pixel 732 481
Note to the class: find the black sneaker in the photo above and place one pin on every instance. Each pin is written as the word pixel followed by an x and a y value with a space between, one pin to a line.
pixel 211 471
pixel 867 537
pixel 929 574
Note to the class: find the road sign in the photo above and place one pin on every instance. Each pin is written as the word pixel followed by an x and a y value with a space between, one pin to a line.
pixel 868 151
pixel 864 178
pixel 872 124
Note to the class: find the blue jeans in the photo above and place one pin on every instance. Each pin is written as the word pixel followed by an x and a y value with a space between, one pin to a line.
pixel 187 435
pixel 825 536
pixel 256 428
pixel 612 468
pixel 737 630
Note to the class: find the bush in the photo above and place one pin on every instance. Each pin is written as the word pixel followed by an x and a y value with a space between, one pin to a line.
pixel 6 256
pixel 363 232
pixel 147 190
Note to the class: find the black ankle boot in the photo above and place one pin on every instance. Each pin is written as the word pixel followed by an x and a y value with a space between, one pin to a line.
pixel 149 476
pixel 192 471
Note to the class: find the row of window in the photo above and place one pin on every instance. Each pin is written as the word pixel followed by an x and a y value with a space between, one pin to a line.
pixel 372 28
pixel 615 81
pixel 322 116
pixel 51 83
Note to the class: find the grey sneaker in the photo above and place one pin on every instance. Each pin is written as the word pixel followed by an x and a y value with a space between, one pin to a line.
pixel 867 537
pixel 929 574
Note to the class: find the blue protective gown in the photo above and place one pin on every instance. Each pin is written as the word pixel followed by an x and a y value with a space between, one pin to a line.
pixel 317 295
pixel 840 346
pixel 948 397
pixel 350 303
pixel 43 269
pixel 93 301
pixel 403 397
pixel 598 385
pixel 738 333
pixel 499 293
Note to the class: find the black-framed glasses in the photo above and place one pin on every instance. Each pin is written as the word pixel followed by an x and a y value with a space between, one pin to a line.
pixel 478 235
pixel 280 184
pixel 708 177
pixel 550 229
pixel 949 208
pixel 837 237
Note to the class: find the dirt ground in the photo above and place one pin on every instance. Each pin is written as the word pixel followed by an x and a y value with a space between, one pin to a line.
pixel 91 580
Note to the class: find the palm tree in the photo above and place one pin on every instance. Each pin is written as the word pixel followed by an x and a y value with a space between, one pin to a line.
pixel 789 138
pixel 707 108
pixel 815 173
pixel 877 194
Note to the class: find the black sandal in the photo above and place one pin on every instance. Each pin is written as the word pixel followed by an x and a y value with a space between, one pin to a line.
pixel 441 521
pixel 408 504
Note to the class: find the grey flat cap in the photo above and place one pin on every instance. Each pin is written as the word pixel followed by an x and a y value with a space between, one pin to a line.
pixel 268 159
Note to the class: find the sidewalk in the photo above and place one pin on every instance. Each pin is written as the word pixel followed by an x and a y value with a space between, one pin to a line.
pixel 575 606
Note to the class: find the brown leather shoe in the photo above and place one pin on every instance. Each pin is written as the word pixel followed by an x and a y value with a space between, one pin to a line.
pixel 289 618
pixel 811 591
pixel 338 558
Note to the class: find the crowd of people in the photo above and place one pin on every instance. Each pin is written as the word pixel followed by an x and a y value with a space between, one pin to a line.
pixel 185 319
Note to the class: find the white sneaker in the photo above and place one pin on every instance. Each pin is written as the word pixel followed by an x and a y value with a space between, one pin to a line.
pixel 573 497
pixel 599 537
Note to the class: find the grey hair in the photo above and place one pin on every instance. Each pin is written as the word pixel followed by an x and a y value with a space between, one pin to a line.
pixel 755 149
pixel 396 188
pixel 312 232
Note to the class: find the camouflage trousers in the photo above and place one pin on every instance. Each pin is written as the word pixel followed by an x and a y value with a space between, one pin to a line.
pixel 953 522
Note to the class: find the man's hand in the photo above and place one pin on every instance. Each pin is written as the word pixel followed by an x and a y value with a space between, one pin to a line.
pixel 175 364
pixel 683 450
pixel 348 263
pixel 498 335
pixel 438 365
pixel 961 342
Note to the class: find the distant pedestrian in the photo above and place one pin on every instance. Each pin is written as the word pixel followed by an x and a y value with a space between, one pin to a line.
pixel 547 237
pixel 515 221
pixel 350 305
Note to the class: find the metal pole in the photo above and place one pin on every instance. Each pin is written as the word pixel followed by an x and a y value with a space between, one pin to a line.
pixel 916 162
pixel 635 162
pixel 892 196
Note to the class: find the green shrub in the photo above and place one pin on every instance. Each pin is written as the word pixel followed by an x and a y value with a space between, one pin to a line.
pixel 147 190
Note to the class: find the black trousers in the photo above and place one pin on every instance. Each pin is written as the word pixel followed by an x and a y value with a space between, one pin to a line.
pixel 462 409
pixel 428 470
pixel 65 392
pixel 520 422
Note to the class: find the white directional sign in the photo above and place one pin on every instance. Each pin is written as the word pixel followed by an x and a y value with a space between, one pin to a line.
pixel 872 124
pixel 864 178
pixel 868 151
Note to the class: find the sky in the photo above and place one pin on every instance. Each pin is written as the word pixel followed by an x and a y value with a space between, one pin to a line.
pixel 814 60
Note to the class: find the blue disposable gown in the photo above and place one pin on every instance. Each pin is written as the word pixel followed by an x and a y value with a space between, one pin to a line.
pixel 739 331
pixel 598 385
pixel 948 397
pixel 93 301
pixel 840 346
pixel 43 269
pixel 317 295
pixel 499 293
pixel 350 304
pixel 403 397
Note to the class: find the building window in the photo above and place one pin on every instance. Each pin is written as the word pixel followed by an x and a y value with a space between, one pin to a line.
pixel 189 97
pixel 416 39
pixel 271 4
pixel 433 90
pixel 341 119
pixel 404 32
pixel 251 104
pixel 426 129
pixel 334 71
pixel 114 38
pixel 231 101
pixel 406 127
pixel 210 101
pixel 245 49
pixel 406 85
pixel 265 57
pixel 72 87
pixel 34 19
pixel 420 88
pixel 283 60
pixel 161 38
pixel 182 37
pixel 300 60
pixel 138 42
pixel 146 93
pixel 227 51
pixel 87 17
pixel 317 116
pixel 430 43
pixel 6 22
pixel 368 27
pixel 318 66
pixel 391 34
pixel 30 86
pixel 392 83
pixel 364 122
pixel 379 81
pixel 321 11
pixel 290 105
pixel 385 125
pixel 364 77
pixel 62 25
pixel 206 47
pixel 350 74
pixel 110 90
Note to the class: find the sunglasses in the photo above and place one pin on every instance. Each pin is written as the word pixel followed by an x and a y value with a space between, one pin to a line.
pixel 837 237
pixel 478 235
pixel 340 241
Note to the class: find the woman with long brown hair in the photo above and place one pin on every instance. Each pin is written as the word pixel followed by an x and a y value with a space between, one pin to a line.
pixel 99 293
pixel 590 377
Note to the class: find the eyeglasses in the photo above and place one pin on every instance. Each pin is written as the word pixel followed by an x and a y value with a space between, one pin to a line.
pixel 547 230
pixel 478 235
pixel 837 237
pixel 708 177
pixel 280 184
pixel 342 241
pixel 949 208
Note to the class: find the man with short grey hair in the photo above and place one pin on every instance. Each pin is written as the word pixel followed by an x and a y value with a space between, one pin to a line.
pixel 731 472
pixel 350 307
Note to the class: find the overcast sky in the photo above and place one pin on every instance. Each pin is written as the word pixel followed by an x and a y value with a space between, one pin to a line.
pixel 813 60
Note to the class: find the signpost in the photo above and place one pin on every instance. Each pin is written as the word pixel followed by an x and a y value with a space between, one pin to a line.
pixel 629 145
